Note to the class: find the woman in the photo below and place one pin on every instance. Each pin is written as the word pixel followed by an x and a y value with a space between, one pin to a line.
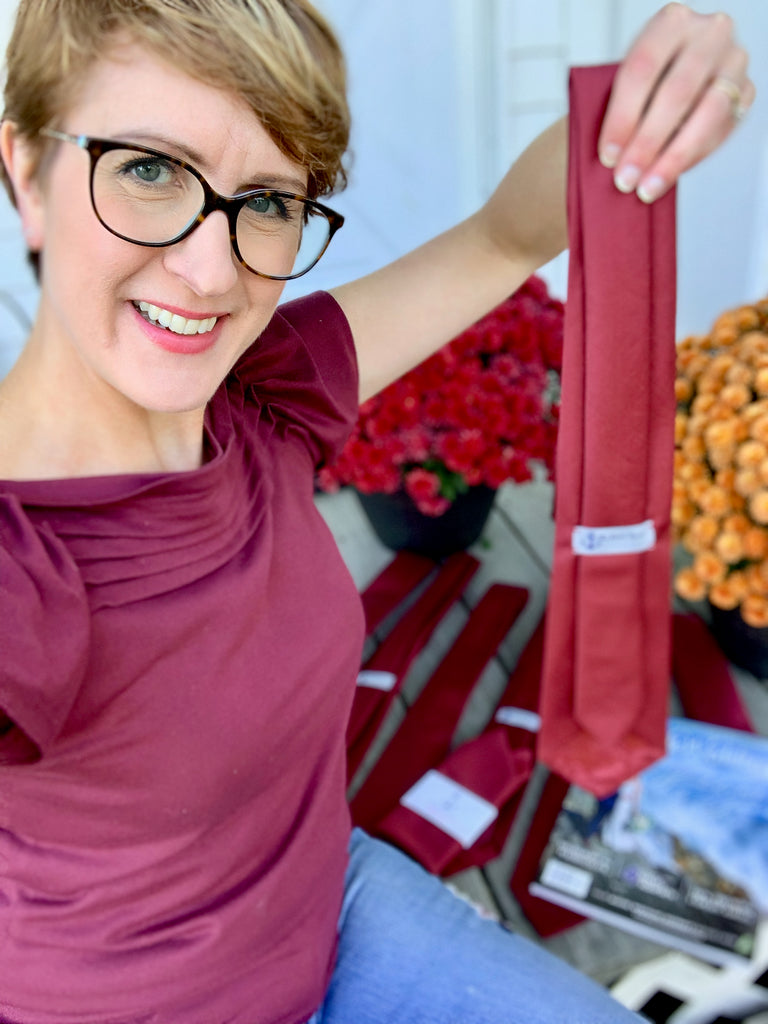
pixel 173 698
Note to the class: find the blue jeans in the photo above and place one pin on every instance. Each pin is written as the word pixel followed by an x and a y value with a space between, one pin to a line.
pixel 410 952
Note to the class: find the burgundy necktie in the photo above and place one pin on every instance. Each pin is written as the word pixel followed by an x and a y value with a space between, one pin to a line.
pixel 606 664
pixel 495 767
pixel 425 735
pixel 703 678
pixel 514 728
pixel 397 652
pixel 393 584
pixel 547 918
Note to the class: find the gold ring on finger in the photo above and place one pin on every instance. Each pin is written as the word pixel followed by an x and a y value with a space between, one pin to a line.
pixel 729 88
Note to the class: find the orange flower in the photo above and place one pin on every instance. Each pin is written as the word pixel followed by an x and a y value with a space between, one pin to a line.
pixel 758 507
pixel 701 533
pixel 691 363
pixel 689 586
pixel 694 448
pixel 754 580
pixel 761 381
pixel 715 501
pixel 724 595
pixel 709 383
pixel 709 568
pixel 737 581
pixel 758 429
pixel 751 343
pixel 747 482
pixel 738 523
pixel 721 434
pixel 730 547
pixel 683 512
pixel 702 404
pixel 696 489
pixel 741 373
pixel 683 390
pixel 696 470
pixel 724 332
pixel 722 458
pixel 736 395
pixel 751 454
pixel 681 427
pixel 755 541
pixel 754 610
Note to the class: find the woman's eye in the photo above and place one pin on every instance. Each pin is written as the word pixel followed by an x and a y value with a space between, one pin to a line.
pixel 269 205
pixel 149 171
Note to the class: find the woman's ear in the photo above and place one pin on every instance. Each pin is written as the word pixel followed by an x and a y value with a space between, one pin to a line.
pixel 21 167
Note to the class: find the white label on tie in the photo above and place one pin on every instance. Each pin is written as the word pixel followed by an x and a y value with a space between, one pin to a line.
pixel 614 540
pixel 518 718
pixel 451 807
pixel 377 680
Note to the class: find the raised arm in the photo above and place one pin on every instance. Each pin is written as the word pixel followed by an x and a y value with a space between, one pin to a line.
pixel 677 96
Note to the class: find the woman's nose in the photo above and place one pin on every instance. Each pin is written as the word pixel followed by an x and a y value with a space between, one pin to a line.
pixel 205 259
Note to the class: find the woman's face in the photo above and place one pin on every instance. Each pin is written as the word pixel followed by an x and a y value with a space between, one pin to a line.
pixel 90 328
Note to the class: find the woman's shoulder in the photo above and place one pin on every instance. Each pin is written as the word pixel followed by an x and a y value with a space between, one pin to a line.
pixel 303 369
pixel 308 337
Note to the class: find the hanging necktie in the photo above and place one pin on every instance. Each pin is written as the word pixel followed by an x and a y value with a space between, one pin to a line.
pixel 606 664
pixel 489 772
pixel 424 737
pixel 384 672
pixel 394 583
pixel 707 693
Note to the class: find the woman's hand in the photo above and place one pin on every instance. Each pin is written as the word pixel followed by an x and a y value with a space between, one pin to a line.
pixel 678 94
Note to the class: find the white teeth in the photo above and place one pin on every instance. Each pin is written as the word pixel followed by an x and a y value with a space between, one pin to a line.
pixel 174 322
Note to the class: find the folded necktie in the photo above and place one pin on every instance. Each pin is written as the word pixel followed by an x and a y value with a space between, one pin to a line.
pixel 393 584
pixel 607 650
pixel 395 655
pixel 425 735
pixel 547 918
pixel 703 677
pixel 488 774
pixel 514 728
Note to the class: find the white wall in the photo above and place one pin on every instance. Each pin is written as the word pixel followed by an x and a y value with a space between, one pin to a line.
pixel 474 80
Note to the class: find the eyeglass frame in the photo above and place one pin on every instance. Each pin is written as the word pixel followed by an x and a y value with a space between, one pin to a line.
pixel 230 206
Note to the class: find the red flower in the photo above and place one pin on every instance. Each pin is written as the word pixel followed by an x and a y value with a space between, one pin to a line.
pixel 421 484
pixel 480 410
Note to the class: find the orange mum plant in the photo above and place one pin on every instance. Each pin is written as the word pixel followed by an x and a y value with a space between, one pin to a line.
pixel 720 495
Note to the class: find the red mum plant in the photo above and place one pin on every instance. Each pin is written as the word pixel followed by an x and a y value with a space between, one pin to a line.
pixel 482 410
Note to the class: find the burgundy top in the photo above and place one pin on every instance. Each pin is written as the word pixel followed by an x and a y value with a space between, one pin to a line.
pixel 178 653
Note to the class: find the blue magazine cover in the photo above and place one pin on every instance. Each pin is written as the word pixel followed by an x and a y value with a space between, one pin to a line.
pixel 680 853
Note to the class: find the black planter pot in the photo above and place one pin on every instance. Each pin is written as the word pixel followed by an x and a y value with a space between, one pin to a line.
pixel 400 526
pixel 744 645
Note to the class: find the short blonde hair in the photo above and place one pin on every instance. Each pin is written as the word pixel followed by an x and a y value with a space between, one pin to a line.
pixel 280 56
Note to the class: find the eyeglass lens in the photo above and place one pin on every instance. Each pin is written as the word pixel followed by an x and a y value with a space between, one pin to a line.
pixel 153 199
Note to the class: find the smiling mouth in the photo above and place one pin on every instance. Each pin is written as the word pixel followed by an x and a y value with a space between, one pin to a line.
pixel 160 317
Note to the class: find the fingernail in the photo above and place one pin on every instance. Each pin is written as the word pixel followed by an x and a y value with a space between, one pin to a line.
pixel 651 189
pixel 609 155
pixel 627 178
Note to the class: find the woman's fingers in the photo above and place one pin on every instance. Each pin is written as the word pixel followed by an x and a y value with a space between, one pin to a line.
pixel 679 92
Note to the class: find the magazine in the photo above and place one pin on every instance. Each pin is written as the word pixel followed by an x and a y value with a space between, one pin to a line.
pixel 679 854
